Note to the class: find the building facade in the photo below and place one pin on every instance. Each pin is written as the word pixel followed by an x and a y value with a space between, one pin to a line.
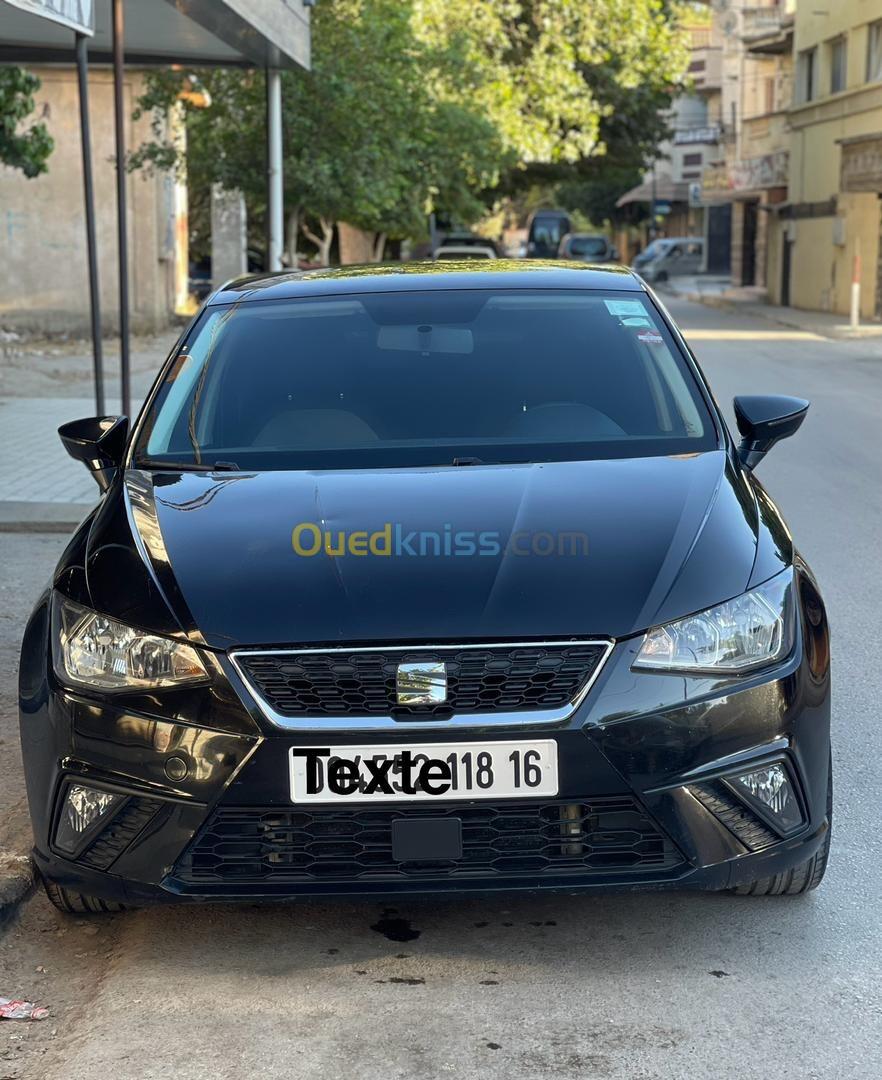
pixel 42 239
pixel 673 184
pixel 832 220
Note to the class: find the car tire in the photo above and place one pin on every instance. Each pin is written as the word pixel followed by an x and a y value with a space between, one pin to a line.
pixel 76 903
pixel 804 877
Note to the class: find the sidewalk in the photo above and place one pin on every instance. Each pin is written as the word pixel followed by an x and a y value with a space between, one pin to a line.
pixel 42 491
pixel 719 292
pixel 41 488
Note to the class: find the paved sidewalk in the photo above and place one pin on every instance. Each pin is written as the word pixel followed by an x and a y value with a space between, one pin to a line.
pixel 719 292
pixel 41 487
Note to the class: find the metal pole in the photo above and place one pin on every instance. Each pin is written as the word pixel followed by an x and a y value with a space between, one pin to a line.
pixel 91 244
pixel 122 230
pixel 275 209
pixel 855 313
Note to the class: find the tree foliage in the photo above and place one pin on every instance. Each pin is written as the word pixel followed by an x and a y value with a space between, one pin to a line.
pixel 27 149
pixel 365 140
pixel 415 106
pixel 548 73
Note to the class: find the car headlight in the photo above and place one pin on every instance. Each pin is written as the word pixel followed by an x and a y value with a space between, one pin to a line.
pixel 751 631
pixel 93 650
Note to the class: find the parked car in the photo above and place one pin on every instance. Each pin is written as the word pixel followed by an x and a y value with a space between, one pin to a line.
pixel 463 238
pixel 428 579
pixel 546 230
pixel 668 258
pixel 460 251
pixel 587 247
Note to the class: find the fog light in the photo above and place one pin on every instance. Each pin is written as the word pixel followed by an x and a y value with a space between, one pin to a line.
pixel 770 791
pixel 82 812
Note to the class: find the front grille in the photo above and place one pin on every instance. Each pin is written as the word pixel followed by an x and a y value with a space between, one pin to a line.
pixel 577 839
pixel 494 678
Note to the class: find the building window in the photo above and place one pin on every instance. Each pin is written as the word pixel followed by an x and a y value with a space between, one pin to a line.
pixel 692 159
pixel 874 52
pixel 837 49
pixel 806 68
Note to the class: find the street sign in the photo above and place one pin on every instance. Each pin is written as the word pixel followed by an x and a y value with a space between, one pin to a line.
pixel 662 206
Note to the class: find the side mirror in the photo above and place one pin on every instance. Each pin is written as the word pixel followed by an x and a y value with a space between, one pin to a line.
pixel 765 419
pixel 98 442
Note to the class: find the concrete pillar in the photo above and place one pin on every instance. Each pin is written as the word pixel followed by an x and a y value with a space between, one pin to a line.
pixel 761 245
pixel 737 241
pixel 229 243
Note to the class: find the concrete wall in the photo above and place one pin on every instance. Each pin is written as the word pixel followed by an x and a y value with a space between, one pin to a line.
pixel 822 268
pixel 43 269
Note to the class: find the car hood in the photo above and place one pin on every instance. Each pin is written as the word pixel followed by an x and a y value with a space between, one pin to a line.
pixel 562 549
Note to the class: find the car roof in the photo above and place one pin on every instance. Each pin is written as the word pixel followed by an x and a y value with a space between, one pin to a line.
pixel 427 276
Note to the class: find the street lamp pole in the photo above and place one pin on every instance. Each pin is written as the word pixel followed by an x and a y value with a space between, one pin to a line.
pixel 275 209
pixel 122 228
pixel 91 243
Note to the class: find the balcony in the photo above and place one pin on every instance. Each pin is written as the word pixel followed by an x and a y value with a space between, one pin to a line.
pixel 706 68
pixel 767 31
pixel 704 135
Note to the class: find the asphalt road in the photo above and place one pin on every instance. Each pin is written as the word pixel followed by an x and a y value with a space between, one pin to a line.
pixel 532 988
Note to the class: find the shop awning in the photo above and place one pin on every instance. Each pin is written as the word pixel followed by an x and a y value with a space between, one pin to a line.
pixel 665 190
pixel 261 33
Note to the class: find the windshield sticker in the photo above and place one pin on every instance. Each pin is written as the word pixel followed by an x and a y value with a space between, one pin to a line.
pixel 650 337
pixel 626 308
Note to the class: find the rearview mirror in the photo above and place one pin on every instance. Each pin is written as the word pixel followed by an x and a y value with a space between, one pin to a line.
pixel 765 419
pixel 99 442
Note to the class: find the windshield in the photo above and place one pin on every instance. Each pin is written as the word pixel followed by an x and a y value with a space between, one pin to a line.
pixel 424 378
pixel 588 245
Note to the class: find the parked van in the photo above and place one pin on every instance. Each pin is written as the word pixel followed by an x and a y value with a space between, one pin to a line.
pixel 674 256
pixel 547 229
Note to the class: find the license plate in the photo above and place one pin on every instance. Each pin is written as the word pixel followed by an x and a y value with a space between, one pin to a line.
pixel 423 772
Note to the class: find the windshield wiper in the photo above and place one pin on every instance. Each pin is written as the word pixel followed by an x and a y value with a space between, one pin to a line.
pixel 187 466
pixel 469 461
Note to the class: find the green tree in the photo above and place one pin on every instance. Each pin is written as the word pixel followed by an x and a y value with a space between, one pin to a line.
pixel 578 90
pixel 27 149
pixel 366 140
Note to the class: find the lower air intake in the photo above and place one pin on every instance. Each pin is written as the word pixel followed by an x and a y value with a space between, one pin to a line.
pixel 503 840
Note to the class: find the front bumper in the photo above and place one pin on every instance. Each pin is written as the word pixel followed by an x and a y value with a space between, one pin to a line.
pixel 641 765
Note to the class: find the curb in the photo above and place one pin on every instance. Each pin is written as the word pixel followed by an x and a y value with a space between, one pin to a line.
pixel 771 313
pixel 16 882
pixel 41 516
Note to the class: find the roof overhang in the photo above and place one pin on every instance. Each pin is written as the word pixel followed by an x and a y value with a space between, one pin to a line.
pixel 225 33
pixel 666 190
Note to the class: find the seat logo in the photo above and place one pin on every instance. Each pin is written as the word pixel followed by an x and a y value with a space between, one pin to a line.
pixel 421 684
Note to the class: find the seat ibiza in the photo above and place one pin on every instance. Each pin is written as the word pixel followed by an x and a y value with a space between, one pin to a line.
pixel 428 578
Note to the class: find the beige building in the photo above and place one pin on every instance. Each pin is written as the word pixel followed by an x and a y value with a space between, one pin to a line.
pixel 833 214
pixel 759 167
pixel 43 269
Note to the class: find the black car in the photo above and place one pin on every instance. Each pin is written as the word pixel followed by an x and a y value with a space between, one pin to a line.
pixel 411 580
